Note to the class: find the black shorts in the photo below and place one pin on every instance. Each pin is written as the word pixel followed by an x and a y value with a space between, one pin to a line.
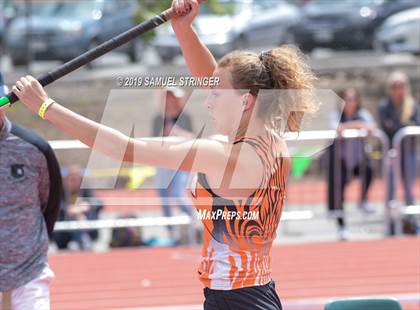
pixel 262 297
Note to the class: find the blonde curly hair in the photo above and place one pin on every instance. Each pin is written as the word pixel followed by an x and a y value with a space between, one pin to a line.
pixel 282 68
pixel 408 104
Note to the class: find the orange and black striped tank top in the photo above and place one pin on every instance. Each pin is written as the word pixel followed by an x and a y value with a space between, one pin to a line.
pixel 236 249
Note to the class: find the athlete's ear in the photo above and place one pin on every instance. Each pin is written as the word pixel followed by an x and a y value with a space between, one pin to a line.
pixel 248 101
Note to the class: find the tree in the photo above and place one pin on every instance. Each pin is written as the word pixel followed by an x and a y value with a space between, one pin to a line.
pixel 149 8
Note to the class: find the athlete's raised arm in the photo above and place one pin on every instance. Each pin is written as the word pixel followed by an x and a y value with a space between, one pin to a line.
pixel 200 155
pixel 199 59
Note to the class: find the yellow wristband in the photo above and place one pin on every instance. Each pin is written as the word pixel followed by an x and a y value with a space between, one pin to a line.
pixel 44 107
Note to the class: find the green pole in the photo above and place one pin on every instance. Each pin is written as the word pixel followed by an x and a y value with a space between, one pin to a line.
pixel 3 101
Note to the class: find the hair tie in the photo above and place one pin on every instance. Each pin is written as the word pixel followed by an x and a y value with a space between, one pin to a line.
pixel 266 67
pixel 261 55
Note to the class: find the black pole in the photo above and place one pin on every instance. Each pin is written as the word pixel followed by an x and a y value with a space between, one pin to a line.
pixel 98 51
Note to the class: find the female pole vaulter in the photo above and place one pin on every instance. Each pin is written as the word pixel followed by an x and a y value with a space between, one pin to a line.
pixel 235 267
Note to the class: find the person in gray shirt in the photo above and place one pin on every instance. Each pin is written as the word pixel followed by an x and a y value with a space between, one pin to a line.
pixel 30 190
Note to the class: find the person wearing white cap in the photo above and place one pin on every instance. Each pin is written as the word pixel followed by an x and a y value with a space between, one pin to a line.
pixel 171 184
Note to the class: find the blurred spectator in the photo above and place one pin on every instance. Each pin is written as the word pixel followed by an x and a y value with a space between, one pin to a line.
pixel 133 236
pixel 347 158
pixel 163 125
pixel 397 110
pixel 127 236
pixel 78 204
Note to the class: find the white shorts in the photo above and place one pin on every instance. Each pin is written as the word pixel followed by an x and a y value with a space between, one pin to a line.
pixel 33 295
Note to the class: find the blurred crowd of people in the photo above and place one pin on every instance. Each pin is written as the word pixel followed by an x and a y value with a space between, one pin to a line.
pixel 77 204
pixel 347 157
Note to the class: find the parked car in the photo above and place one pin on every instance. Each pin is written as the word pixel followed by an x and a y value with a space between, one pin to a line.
pixel 62 30
pixel 400 33
pixel 245 24
pixel 344 24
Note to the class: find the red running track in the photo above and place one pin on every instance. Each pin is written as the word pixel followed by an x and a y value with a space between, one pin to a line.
pixel 303 273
